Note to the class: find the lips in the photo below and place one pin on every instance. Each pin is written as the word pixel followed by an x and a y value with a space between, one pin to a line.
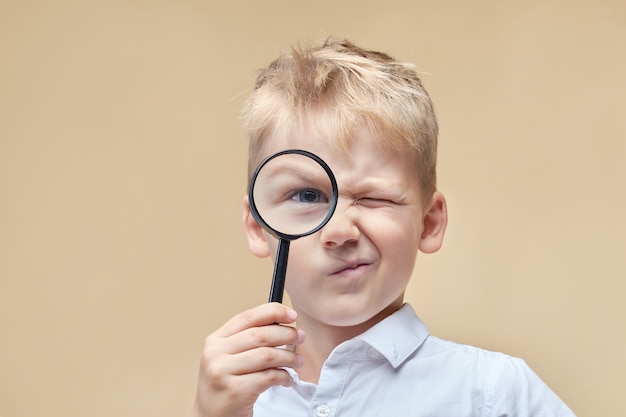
pixel 351 267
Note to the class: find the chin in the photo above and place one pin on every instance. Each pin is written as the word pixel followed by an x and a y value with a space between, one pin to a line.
pixel 352 317
pixel 349 310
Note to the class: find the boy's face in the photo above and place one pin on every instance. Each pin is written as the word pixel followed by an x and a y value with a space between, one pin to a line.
pixel 357 267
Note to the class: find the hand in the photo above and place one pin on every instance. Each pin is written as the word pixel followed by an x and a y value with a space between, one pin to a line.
pixel 240 361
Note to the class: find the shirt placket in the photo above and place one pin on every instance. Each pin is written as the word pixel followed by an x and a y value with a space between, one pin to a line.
pixel 325 401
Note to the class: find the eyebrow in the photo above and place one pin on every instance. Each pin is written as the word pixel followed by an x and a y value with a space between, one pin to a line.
pixel 294 168
pixel 359 186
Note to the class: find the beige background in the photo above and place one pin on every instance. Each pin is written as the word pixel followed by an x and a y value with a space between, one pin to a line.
pixel 122 171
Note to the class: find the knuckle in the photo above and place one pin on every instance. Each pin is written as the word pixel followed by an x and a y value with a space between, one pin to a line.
pixel 210 353
pixel 277 377
pixel 209 341
pixel 247 317
pixel 214 368
pixel 216 373
pixel 293 335
pixel 260 336
pixel 217 379
pixel 276 310
pixel 267 355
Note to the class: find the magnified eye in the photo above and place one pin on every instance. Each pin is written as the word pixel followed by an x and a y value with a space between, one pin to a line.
pixel 309 195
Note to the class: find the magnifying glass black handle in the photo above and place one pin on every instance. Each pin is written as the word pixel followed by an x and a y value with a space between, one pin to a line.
pixel 280 271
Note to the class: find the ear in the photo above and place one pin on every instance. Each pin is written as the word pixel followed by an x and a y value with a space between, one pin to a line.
pixel 257 240
pixel 435 221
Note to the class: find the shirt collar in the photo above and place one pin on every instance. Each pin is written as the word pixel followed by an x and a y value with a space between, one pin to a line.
pixel 397 336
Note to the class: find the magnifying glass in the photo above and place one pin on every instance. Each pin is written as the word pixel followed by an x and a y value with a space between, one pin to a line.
pixel 292 194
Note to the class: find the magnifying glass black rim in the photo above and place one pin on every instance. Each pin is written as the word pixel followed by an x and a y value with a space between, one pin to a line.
pixel 333 204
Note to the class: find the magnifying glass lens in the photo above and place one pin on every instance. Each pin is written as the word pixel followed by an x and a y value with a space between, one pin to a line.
pixel 293 194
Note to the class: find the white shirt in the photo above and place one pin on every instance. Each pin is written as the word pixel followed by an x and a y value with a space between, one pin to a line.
pixel 397 369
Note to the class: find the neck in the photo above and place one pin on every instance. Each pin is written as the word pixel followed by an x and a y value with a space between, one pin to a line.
pixel 321 339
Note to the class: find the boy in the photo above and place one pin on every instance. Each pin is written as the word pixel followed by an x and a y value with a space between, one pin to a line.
pixel 366 353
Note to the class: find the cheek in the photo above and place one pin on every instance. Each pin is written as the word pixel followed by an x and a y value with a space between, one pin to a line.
pixel 393 230
pixel 300 258
pixel 397 243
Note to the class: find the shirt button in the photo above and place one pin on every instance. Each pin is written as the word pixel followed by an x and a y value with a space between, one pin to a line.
pixel 373 353
pixel 322 411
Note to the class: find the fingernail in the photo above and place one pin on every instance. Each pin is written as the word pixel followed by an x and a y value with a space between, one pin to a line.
pixel 301 336
pixel 291 314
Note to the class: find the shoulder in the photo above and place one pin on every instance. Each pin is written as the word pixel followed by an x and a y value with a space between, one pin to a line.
pixel 487 368
pixel 464 367
pixel 457 354
pixel 506 384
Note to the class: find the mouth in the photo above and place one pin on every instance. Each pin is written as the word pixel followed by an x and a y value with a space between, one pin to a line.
pixel 351 268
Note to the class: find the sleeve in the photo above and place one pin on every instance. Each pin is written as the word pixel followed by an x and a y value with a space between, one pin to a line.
pixel 519 392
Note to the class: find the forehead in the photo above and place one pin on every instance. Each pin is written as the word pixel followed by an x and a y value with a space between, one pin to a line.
pixel 321 137
pixel 361 155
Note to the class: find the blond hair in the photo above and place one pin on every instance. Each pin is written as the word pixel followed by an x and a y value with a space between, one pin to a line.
pixel 334 86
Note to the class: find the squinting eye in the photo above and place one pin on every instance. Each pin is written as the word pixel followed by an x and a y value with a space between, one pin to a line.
pixel 374 202
pixel 308 196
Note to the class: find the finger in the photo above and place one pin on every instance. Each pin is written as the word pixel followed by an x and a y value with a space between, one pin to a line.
pixel 270 378
pixel 264 336
pixel 258 316
pixel 262 359
pixel 231 395
pixel 260 381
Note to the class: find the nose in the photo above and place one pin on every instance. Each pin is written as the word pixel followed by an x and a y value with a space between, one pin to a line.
pixel 341 229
